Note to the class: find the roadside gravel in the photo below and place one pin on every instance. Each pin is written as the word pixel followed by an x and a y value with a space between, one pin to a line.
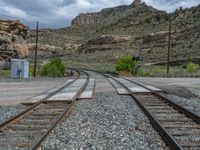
pixel 109 121
pixel 7 112
pixel 192 104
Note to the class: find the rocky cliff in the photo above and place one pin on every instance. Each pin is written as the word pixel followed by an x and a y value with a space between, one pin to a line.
pixel 107 42
pixel 13 40
pixel 86 19
pixel 117 18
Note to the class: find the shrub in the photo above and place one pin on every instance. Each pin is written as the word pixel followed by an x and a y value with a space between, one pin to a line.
pixel 126 64
pixel 5 73
pixel 157 70
pixel 140 72
pixel 55 68
pixel 192 67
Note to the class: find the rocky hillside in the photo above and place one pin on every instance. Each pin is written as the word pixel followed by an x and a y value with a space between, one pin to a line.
pixel 86 26
pixel 122 29
pixel 13 40
pixel 131 19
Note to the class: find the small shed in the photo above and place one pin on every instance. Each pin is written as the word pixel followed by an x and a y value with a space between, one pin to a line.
pixel 19 68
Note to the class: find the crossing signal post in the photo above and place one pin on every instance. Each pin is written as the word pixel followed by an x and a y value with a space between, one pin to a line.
pixel 138 59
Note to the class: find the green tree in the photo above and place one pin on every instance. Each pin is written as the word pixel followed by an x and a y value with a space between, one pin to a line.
pixel 55 68
pixel 126 63
pixel 192 67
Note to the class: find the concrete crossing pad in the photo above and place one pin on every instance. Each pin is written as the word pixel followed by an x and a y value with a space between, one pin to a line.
pixel 89 91
pixel 133 87
pixel 45 94
pixel 148 86
pixel 119 88
pixel 69 92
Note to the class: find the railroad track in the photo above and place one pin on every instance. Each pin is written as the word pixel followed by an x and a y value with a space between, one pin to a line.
pixel 29 128
pixel 179 128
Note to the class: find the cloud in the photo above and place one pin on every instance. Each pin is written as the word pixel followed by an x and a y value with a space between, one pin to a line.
pixel 171 5
pixel 59 13
pixel 15 12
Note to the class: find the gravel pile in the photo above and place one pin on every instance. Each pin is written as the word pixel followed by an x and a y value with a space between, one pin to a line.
pixel 9 111
pixel 192 104
pixel 108 121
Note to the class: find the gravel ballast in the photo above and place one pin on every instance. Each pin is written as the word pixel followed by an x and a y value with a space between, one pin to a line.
pixel 109 121
pixel 192 104
pixel 9 111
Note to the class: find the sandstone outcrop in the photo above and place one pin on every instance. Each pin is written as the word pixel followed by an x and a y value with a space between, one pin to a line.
pixel 42 47
pixel 13 40
pixel 45 51
pixel 86 19
pixel 136 3
pixel 106 42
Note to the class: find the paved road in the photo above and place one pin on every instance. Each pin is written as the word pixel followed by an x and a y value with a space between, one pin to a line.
pixel 12 91
pixel 178 86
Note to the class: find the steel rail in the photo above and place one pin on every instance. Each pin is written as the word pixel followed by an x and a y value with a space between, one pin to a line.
pixel 167 137
pixel 187 112
pixel 66 112
pixel 23 113
pixel 157 126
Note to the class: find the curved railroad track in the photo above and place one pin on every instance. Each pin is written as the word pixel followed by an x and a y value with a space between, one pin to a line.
pixel 179 128
pixel 29 128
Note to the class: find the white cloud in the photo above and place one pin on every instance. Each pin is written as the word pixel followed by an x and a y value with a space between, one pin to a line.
pixel 57 13
pixel 171 5
pixel 15 12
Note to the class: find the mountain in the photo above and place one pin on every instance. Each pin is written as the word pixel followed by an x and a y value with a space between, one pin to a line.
pixel 121 30
pixel 122 20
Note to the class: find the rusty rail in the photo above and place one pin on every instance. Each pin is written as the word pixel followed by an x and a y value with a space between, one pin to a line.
pixel 167 137
pixel 67 110
pixel 39 107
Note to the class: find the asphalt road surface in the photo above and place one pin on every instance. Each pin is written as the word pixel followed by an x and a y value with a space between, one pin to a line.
pixel 177 86
pixel 14 91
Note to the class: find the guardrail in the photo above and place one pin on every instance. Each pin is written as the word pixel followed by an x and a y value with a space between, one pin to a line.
pixel 176 76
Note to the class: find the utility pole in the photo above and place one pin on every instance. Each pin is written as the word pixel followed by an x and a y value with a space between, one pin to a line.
pixel 36 49
pixel 138 55
pixel 169 48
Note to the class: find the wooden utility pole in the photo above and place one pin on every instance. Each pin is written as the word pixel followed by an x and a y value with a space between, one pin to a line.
pixel 36 48
pixel 169 48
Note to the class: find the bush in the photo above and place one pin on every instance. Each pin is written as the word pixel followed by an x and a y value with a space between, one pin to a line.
pixel 5 73
pixel 157 70
pixel 192 67
pixel 140 72
pixel 55 68
pixel 126 64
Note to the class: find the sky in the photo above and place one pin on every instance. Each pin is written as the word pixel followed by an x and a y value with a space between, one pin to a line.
pixel 59 13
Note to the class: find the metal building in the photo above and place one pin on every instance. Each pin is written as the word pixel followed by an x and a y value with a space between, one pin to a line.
pixel 19 68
